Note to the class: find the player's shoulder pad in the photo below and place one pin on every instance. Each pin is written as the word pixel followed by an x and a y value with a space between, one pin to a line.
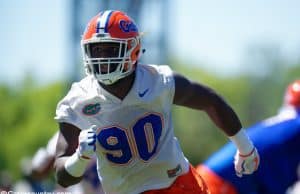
pixel 81 88
pixel 159 69
pixel 77 90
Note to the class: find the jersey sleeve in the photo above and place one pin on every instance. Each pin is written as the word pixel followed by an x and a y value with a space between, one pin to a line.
pixel 65 113
pixel 166 80
pixel 65 110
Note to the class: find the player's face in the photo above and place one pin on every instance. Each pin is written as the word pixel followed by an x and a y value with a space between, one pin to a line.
pixel 105 50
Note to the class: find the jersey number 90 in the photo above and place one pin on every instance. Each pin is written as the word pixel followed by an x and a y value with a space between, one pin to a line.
pixel 122 145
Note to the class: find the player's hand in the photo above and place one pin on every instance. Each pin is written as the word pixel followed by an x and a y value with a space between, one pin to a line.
pixel 246 164
pixel 87 143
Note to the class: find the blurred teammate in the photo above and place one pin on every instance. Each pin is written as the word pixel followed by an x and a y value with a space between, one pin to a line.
pixel 122 112
pixel 6 182
pixel 278 141
pixel 42 168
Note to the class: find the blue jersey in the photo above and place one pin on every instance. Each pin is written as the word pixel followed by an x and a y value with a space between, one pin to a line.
pixel 278 143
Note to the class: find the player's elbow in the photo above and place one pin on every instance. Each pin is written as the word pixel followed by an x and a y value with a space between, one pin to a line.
pixel 216 100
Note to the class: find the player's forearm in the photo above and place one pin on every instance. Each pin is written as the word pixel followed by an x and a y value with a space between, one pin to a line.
pixel 224 116
pixel 63 177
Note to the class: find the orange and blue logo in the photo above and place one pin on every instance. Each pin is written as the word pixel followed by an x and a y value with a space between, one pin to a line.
pixel 91 109
pixel 127 26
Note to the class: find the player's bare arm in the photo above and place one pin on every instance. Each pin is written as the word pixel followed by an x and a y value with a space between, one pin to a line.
pixel 197 96
pixel 66 146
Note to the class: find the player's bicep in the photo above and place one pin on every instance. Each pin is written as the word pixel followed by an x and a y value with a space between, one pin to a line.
pixel 192 94
pixel 67 140
pixel 182 85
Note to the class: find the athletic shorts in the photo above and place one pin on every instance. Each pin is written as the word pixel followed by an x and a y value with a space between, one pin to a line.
pixel 214 182
pixel 189 183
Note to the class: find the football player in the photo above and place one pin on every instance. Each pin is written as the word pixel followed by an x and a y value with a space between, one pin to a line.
pixel 122 112
pixel 278 141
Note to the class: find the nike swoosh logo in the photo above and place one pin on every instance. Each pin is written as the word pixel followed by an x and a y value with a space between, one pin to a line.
pixel 142 94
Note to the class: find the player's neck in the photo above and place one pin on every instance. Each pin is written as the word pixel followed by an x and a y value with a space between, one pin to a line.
pixel 121 88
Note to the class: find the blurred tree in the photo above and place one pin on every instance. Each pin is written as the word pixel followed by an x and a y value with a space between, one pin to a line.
pixel 26 121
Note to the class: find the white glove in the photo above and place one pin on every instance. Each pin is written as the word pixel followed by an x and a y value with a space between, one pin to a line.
pixel 87 143
pixel 246 164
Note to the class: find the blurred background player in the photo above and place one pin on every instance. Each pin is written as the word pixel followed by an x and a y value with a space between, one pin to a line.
pixel 278 141
pixel 36 171
pixel 122 112
pixel 6 183
pixel 40 171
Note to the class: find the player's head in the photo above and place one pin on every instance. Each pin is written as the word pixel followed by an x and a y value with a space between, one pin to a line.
pixel 111 46
pixel 292 94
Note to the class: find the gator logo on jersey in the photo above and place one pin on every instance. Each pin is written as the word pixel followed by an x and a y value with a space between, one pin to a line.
pixel 91 109
pixel 128 26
